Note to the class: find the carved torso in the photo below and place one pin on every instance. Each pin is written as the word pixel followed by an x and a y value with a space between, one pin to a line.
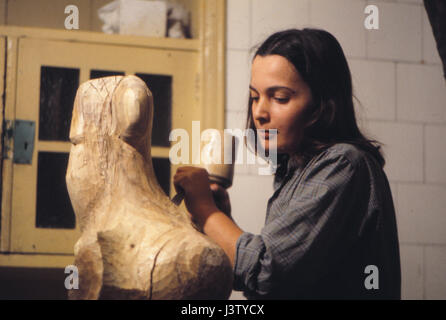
pixel 135 243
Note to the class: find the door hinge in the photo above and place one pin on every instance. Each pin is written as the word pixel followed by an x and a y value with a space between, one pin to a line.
pixel 21 133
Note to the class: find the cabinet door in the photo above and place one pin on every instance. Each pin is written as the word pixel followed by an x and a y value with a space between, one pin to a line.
pixel 48 75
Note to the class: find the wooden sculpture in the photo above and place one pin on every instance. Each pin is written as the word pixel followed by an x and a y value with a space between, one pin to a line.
pixel 135 243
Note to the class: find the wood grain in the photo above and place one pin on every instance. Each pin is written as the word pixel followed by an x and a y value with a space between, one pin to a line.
pixel 135 243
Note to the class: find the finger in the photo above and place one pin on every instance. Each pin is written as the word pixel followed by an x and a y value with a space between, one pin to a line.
pixel 215 191
pixel 178 188
pixel 181 169
pixel 178 182
pixel 185 168
pixel 176 178
pixel 218 190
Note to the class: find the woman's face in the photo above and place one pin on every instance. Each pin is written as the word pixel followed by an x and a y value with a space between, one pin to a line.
pixel 279 96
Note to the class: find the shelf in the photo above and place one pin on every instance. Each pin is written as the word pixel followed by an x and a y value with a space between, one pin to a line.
pixel 36 260
pixel 101 38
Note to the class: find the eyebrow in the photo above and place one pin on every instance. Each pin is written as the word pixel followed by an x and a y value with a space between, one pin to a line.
pixel 272 89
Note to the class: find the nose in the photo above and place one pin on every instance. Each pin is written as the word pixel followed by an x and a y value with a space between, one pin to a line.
pixel 260 111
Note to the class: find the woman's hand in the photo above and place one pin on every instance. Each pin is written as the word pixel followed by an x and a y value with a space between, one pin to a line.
pixel 199 199
pixel 195 184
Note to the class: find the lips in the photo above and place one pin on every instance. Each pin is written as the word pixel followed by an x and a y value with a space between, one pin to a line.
pixel 267 133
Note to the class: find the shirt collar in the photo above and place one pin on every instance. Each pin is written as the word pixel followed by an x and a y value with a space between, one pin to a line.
pixel 286 167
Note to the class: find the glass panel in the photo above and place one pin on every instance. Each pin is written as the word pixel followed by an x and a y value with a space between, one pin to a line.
pixel 54 208
pixel 94 74
pixel 58 88
pixel 161 166
pixel 161 88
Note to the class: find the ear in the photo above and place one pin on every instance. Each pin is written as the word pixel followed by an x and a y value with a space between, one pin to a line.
pixel 133 106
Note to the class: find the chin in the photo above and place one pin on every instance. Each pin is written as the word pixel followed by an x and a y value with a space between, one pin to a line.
pixel 268 145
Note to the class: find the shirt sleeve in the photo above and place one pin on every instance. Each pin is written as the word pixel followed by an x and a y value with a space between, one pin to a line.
pixel 308 235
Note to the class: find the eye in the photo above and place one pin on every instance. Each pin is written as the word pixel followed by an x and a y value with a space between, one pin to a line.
pixel 254 98
pixel 282 100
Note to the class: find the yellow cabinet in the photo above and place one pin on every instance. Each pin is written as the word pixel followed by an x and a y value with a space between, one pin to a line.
pixel 43 69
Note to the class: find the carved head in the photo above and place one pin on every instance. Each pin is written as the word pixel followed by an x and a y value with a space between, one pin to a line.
pixel 112 118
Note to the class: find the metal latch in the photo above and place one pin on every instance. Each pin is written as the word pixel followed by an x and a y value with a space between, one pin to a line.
pixel 23 132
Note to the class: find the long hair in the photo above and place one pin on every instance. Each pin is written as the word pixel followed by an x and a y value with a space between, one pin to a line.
pixel 330 117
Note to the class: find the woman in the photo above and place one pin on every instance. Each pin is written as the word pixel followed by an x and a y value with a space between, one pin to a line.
pixel 330 230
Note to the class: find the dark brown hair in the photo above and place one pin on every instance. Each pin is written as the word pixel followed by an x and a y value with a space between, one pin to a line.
pixel 330 118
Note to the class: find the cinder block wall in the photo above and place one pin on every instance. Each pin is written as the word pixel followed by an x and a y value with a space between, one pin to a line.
pixel 398 79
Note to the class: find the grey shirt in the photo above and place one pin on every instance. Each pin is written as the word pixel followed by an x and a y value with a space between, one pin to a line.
pixel 325 223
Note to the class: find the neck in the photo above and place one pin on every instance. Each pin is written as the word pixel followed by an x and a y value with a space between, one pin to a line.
pixel 136 185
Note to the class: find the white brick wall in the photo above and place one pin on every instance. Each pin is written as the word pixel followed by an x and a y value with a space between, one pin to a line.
pixel 399 34
pixel 421 93
pixel 345 20
pixel 253 191
pixel 397 77
pixel 237 79
pixel 435 154
pixel 370 77
pixel 412 272
pixel 435 260
pixel 421 213
pixel 269 16
pixel 403 149
pixel 411 1
pixel 238 24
